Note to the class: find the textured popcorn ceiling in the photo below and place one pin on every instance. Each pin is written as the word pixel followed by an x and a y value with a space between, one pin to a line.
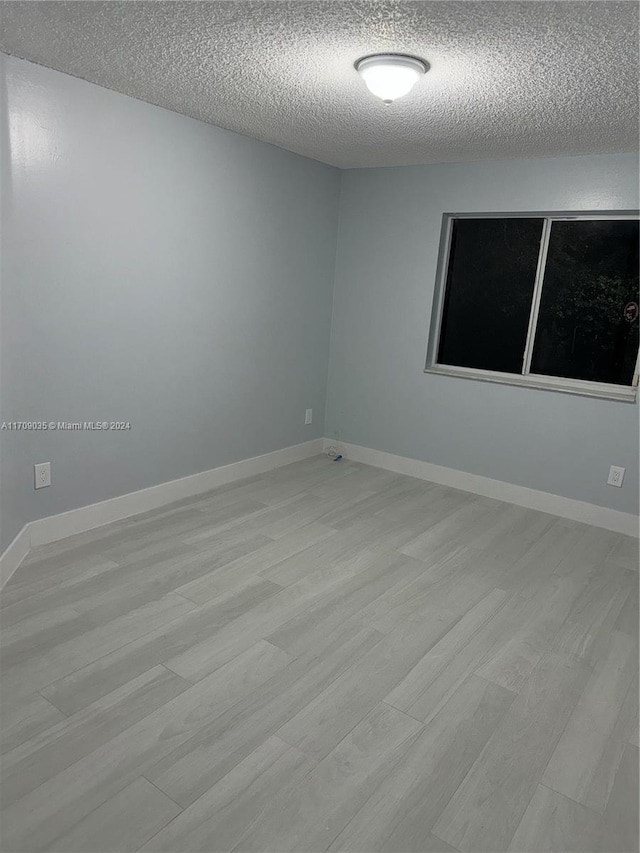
pixel 507 79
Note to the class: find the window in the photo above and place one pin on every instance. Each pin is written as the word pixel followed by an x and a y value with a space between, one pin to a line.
pixel 547 301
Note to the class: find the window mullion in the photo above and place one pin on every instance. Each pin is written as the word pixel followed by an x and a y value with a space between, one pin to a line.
pixel 537 295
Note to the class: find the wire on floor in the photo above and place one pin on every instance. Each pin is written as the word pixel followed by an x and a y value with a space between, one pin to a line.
pixel 333 450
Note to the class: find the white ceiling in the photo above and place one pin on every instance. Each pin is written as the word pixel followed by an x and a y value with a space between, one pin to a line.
pixel 507 79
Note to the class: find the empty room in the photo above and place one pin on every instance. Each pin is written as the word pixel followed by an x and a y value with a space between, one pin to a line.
pixel 319 436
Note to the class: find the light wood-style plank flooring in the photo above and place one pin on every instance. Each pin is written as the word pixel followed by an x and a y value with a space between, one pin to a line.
pixel 325 657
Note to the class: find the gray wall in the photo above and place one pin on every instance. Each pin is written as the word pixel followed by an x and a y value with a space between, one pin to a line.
pixel 379 397
pixel 155 270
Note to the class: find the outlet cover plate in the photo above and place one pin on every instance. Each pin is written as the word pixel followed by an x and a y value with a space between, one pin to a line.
pixel 616 476
pixel 42 474
pixel 308 416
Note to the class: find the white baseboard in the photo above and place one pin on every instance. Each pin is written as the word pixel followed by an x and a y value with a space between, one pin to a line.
pixel 599 516
pixel 54 527
pixel 14 555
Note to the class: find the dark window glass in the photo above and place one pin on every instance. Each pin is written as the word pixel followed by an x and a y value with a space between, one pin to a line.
pixel 490 279
pixel 588 321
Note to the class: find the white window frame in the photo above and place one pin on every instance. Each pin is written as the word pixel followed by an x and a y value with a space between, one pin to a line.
pixel 623 393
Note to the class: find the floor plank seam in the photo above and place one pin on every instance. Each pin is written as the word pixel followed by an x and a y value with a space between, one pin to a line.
pixel 164 793
pixel 186 598
pixel 405 713
pixel 491 681
pixel 187 682
pixel 111 651
pixel 435 834
pixel 85 816
pixel 593 811
pixel 51 702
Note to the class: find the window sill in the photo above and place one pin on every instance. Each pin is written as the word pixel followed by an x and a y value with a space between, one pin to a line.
pixel 620 393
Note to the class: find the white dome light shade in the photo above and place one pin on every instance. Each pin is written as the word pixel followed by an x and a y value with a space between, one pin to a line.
pixel 390 75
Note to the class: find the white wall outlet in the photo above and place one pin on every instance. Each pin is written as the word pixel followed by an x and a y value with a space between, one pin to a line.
pixel 42 474
pixel 308 416
pixel 616 476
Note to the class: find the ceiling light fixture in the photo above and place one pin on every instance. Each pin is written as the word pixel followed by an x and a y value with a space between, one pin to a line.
pixel 390 75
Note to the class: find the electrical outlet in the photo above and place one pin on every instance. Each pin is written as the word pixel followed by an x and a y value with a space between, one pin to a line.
pixel 42 474
pixel 308 416
pixel 616 476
